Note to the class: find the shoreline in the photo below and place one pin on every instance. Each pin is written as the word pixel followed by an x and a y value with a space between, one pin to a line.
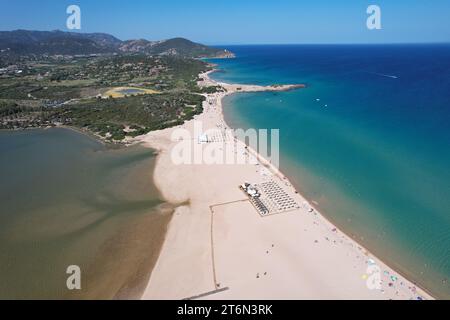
pixel 111 205
pixel 199 236
pixel 311 203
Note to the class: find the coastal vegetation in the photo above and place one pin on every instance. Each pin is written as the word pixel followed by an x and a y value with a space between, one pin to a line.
pixel 99 83
pixel 160 91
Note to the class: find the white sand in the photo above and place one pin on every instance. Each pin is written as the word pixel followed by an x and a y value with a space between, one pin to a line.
pixel 218 240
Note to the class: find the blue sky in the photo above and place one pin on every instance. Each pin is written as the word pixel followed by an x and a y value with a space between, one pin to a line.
pixel 240 21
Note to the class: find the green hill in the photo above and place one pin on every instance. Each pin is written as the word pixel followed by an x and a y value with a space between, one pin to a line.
pixel 23 42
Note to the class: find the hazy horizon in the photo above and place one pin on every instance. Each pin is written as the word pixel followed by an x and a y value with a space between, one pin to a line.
pixel 237 22
pixel 248 44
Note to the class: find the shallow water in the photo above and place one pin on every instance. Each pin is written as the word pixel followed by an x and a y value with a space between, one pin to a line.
pixel 369 140
pixel 130 91
pixel 67 199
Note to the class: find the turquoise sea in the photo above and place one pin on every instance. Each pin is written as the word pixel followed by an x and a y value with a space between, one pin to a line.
pixel 368 139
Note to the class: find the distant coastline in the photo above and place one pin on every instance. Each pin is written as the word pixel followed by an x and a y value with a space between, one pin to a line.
pixel 217 232
pixel 198 211
pixel 277 171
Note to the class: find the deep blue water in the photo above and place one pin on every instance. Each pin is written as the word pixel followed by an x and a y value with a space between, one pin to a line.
pixel 374 152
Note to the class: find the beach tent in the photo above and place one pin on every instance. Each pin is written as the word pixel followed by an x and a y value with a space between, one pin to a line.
pixel 203 139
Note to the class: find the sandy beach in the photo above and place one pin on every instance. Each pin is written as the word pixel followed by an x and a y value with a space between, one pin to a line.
pixel 219 247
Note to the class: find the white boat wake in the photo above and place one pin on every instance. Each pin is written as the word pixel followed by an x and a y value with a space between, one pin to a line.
pixel 385 75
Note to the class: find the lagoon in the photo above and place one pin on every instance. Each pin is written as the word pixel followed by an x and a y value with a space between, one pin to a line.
pixel 67 199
